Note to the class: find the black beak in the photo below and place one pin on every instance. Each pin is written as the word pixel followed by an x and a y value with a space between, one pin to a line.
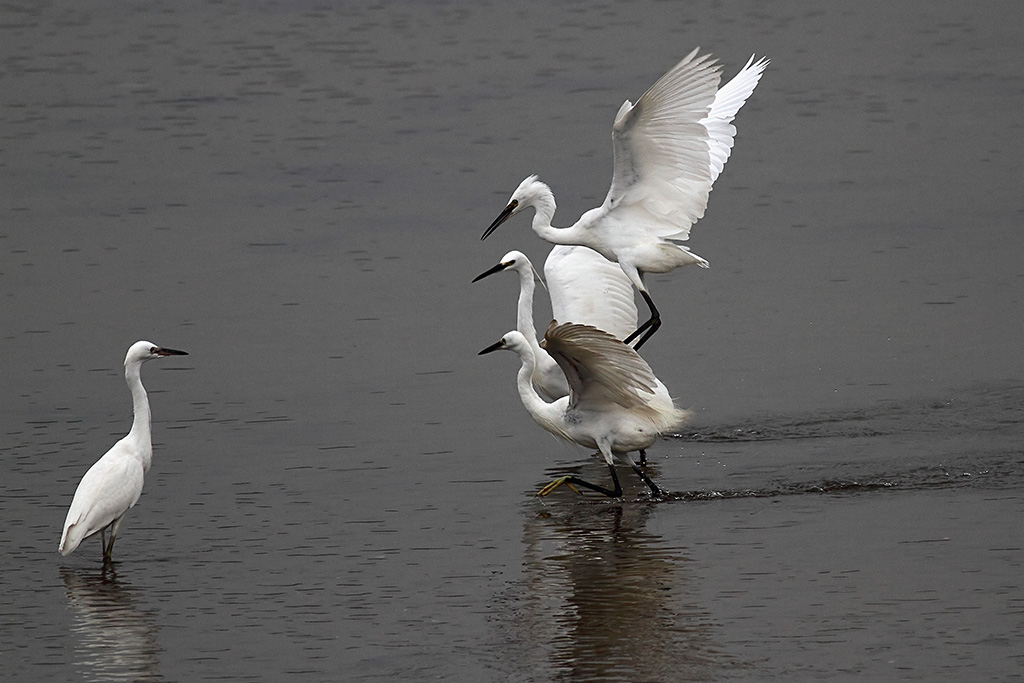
pixel 496 269
pixel 502 217
pixel 170 352
pixel 497 346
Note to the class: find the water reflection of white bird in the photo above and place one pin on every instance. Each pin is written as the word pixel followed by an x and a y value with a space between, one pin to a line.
pixel 615 403
pixel 114 483
pixel 584 287
pixel 669 149
pixel 115 639
pixel 601 595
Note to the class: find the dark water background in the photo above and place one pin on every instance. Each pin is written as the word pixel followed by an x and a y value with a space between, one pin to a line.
pixel 342 490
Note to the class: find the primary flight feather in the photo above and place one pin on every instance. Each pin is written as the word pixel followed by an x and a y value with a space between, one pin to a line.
pixel 669 148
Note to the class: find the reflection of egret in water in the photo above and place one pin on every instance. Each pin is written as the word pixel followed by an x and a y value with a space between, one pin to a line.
pixel 603 599
pixel 116 640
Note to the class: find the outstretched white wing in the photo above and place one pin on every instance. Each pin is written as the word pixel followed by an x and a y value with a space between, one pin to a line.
pixel 728 101
pixel 662 171
pixel 599 367
pixel 587 288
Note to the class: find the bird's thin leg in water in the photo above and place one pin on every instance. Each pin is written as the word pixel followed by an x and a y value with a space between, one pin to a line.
pixel 651 326
pixel 655 489
pixel 108 548
pixel 643 458
pixel 570 479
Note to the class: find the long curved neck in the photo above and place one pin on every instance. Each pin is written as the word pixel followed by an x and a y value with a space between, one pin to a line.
pixel 524 314
pixel 141 431
pixel 543 364
pixel 544 203
pixel 544 413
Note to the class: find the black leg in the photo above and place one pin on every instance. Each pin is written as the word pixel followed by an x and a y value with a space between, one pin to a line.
pixel 655 489
pixel 651 326
pixel 643 458
pixel 108 548
pixel 616 493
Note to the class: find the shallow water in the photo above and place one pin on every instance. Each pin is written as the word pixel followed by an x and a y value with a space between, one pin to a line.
pixel 342 489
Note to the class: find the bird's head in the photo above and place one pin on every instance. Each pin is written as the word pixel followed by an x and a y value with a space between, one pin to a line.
pixel 142 351
pixel 512 341
pixel 529 193
pixel 513 260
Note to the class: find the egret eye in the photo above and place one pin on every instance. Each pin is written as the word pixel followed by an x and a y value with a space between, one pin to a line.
pixel 514 203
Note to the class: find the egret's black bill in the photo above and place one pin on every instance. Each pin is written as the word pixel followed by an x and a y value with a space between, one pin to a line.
pixel 502 217
pixel 170 352
pixel 496 269
pixel 497 346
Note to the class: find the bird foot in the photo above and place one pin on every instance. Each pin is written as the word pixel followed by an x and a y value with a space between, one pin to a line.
pixel 556 483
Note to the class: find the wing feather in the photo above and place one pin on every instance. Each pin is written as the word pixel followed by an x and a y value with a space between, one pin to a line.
pixel 598 366
pixel 587 288
pixel 662 157
pixel 727 102
pixel 111 486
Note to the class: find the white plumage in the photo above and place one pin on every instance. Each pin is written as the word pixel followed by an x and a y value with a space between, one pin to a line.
pixel 114 483
pixel 669 148
pixel 584 286
pixel 588 289
pixel 615 403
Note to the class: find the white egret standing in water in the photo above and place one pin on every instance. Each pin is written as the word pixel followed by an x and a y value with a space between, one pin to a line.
pixel 114 482
pixel 585 288
pixel 615 403
pixel 669 149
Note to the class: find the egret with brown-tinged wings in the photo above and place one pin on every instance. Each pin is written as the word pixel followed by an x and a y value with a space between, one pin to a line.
pixel 615 403
pixel 584 287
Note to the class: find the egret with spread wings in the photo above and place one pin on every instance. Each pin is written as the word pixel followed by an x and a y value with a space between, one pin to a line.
pixel 615 403
pixel 669 148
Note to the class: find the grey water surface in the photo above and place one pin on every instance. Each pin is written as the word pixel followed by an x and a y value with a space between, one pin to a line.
pixel 342 490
